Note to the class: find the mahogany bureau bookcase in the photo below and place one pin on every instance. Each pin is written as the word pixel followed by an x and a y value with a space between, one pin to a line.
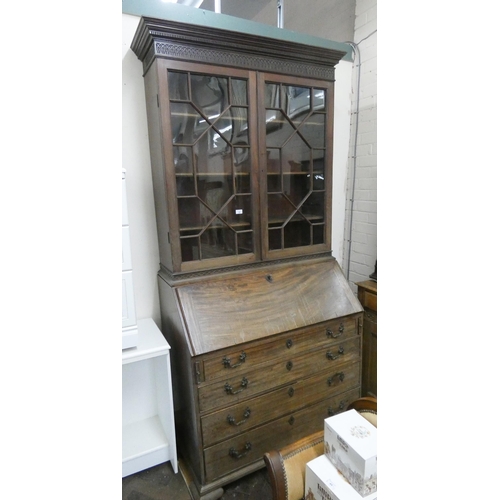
pixel 264 328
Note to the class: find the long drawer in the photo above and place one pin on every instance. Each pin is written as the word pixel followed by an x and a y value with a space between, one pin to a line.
pixel 250 446
pixel 228 422
pixel 230 361
pixel 276 373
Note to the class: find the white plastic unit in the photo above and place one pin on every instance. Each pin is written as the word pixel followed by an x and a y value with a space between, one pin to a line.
pixel 148 430
pixel 129 322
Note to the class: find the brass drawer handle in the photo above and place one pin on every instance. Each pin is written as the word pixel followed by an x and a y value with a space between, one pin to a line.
pixel 227 362
pixel 231 420
pixel 340 375
pixel 234 454
pixel 289 365
pixel 332 412
pixel 332 357
pixel 289 343
pixel 291 391
pixel 229 388
pixel 329 332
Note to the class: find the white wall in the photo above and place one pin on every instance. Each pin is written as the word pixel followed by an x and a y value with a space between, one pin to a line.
pixel 359 258
pixel 341 137
pixel 136 161
pixel 144 240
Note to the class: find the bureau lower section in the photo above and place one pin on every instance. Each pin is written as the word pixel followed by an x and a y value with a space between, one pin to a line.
pixel 262 358
pixel 267 394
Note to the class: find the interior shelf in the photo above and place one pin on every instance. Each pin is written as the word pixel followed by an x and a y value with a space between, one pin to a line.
pixel 144 444
pixel 213 174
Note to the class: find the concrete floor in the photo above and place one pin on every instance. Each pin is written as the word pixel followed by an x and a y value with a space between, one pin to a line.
pixel 160 483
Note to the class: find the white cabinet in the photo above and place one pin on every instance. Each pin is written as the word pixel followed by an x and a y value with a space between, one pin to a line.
pixel 129 322
pixel 148 431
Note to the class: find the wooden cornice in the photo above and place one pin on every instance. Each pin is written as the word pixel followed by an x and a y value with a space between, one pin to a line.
pixel 173 39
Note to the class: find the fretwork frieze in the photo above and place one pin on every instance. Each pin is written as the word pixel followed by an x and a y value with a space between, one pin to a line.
pixel 223 58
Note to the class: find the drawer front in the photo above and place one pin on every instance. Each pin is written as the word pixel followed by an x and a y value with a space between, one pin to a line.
pixel 278 372
pixel 228 422
pixel 369 300
pixel 249 447
pixel 229 362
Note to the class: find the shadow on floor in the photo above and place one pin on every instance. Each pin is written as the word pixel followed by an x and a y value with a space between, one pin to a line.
pixel 160 483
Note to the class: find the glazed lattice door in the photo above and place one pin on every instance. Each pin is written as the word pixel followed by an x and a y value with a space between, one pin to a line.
pixel 212 146
pixel 295 121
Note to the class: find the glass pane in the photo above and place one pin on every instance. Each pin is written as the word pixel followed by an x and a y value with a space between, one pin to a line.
pixel 224 126
pixel 178 86
pixel 190 249
pixel 318 234
pixel 298 102
pixel 319 161
pixel 273 183
pixel 215 190
pixel 193 214
pixel 209 95
pixel 275 242
pixel 243 184
pixel 318 182
pixel 183 160
pixel 297 234
pixel 239 117
pixel 219 146
pixel 213 154
pixel 313 130
pixel 217 241
pixel 296 155
pixel 239 92
pixel 272 97
pixel 232 125
pixel 245 242
pixel 274 160
pixel 187 124
pixel 242 156
pixel 278 130
pixel 318 99
pixel 314 207
pixel 296 187
pixel 279 208
pixel 185 185
pixel 239 213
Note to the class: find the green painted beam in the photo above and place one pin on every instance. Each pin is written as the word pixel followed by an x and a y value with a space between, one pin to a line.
pixel 183 14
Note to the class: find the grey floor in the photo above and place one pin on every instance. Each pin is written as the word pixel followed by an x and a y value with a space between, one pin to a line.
pixel 160 483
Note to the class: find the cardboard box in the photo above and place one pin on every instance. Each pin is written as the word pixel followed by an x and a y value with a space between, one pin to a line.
pixel 351 445
pixel 325 482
